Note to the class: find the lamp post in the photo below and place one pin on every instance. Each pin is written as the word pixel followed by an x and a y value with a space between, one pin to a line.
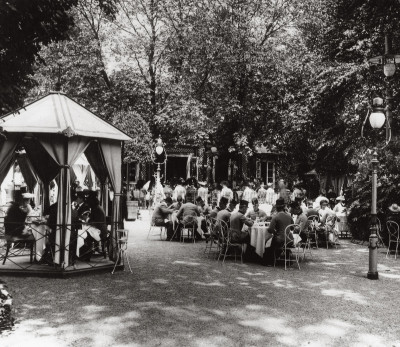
pixel 377 119
pixel 159 157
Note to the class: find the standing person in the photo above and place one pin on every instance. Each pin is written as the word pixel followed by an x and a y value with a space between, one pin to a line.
pixel 277 228
pixel 262 194
pixel 247 192
pixel 202 192
pixel 215 196
pixel 270 194
pixel 180 190
pixel 18 181
pixel 283 191
pixel 226 191
pixel 340 207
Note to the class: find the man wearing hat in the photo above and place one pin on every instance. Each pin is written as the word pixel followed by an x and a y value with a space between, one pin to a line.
pixel 223 202
pixel 237 221
pixel 277 228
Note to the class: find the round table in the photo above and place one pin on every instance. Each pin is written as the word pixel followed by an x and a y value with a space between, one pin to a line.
pixel 258 236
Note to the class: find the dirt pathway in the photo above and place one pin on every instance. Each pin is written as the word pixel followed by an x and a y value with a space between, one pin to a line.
pixel 179 297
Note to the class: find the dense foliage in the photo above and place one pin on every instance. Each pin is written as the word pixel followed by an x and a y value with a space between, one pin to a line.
pixel 290 75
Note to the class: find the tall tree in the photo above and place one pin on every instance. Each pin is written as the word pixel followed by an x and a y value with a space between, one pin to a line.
pixel 24 26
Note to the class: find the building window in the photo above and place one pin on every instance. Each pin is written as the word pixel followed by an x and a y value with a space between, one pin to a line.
pixel 266 171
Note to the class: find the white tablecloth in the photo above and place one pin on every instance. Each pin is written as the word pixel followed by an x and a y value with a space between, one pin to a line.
pixel 39 232
pixel 258 236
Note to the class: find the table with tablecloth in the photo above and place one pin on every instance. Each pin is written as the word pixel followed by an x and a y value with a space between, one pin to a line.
pixel 259 235
pixel 40 232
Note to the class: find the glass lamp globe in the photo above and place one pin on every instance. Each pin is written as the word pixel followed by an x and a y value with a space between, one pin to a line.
pixel 159 150
pixel 389 69
pixel 377 119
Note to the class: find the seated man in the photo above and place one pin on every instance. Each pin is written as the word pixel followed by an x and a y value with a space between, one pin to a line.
pixel 177 205
pixel 188 214
pixel 204 209
pixel 225 215
pixel 277 228
pixel 256 213
pixel 223 202
pixel 237 221
pixel 160 218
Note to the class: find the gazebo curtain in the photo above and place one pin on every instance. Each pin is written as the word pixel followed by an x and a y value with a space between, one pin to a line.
pixel 7 154
pixel 37 156
pixel 112 158
pixel 27 171
pixel 80 170
pixel 65 151
pixel 96 161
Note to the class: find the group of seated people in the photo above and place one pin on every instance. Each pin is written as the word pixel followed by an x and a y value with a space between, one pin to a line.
pixel 86 211
pixel 237 214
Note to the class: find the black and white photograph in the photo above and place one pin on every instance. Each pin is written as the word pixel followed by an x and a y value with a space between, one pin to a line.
pixel 199 173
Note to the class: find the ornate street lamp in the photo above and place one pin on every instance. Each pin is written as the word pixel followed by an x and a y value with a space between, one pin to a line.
pixel 159 157
pixel 377 119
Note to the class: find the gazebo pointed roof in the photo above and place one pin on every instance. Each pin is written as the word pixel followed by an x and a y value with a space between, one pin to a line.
pixel 57 113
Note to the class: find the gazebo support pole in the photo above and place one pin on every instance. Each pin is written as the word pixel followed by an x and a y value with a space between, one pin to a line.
pixel 64 203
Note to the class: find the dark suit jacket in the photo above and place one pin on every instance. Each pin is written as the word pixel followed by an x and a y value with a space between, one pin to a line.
pixel 278 225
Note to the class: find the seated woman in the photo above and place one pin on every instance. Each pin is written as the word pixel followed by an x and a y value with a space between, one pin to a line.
pixel 256 213
pixel 301 220
pixel 14 221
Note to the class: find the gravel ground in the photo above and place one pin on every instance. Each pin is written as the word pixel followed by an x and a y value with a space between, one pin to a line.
pixel 177 296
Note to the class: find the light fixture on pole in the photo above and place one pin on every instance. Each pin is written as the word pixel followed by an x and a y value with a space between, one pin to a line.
pixel 377 119
pixel 159 157
pixel 388 62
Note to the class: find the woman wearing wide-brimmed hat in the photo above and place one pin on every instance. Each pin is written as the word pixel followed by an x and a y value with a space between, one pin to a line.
pixel 393 213
pixel 340 207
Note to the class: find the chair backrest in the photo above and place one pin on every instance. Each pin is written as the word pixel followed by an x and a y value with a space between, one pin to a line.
pixel 312 221
pixel 393 229
pixel 222 228
pixel 210 223
pixel 289 230
pixel 122 236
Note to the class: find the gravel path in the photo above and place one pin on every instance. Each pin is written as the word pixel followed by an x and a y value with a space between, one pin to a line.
pixel 179 297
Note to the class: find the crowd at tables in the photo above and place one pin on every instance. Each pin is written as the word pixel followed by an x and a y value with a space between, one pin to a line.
pixel 188 205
